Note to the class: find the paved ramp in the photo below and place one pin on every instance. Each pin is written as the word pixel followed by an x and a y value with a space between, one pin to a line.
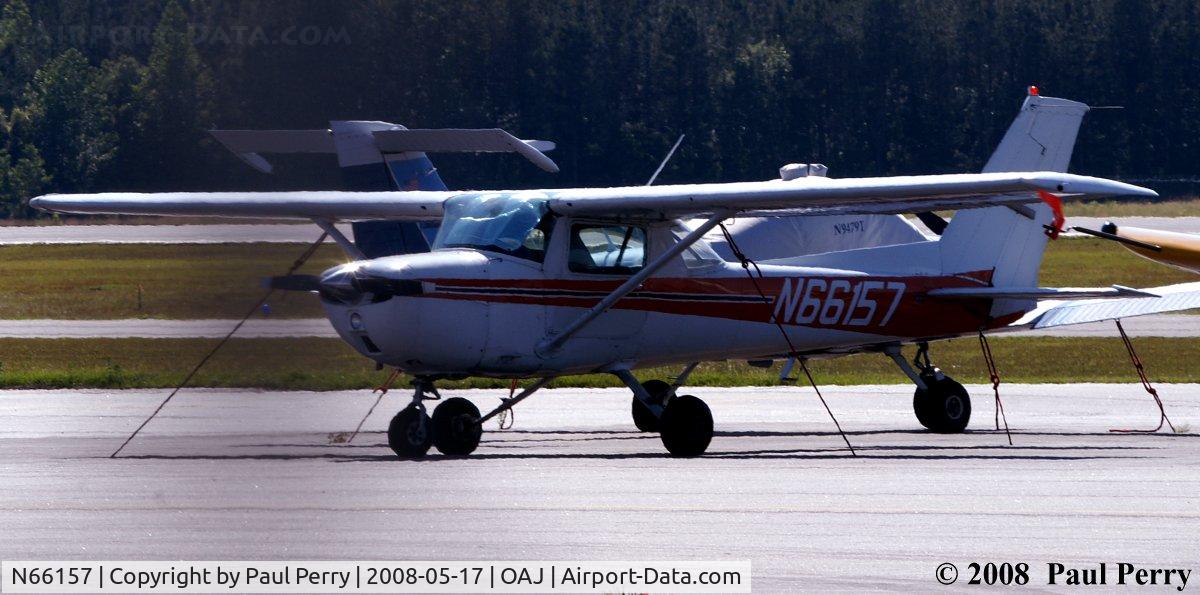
pixel 260 475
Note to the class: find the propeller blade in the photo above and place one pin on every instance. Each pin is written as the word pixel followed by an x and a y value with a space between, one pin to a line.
pixel 293 282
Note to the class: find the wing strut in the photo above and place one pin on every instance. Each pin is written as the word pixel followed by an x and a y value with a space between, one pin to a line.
pixel 346 245
pixel 551 342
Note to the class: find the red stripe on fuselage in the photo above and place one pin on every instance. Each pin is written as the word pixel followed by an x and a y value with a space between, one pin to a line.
pixel 894 306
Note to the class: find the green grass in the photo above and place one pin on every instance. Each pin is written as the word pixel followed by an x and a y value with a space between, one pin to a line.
pixel 328 364
pixel 99 281
pixel 1181 207
pixel 1100 263
pixel 1189 207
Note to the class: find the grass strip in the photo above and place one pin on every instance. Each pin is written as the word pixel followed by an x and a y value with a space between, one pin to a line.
pixel 328 364
pixel 103 281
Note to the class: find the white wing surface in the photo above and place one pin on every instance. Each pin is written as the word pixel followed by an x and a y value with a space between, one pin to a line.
pixel 815 196
pixel 329 205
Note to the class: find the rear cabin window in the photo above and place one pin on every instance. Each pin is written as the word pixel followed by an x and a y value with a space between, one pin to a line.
pixel 607 249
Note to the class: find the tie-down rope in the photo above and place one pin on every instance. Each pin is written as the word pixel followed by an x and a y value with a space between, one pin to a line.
pixel 1141 370
pixel 994 374
pixel 792 352
pixel 295 266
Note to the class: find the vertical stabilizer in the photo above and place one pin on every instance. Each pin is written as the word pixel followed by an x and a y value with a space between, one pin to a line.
pixel 1042 137
pixel 365 167
pixel 1001 239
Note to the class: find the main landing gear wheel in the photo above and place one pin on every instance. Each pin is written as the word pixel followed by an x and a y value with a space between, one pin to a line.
pixel 945 407
pixel 643 418
pixel 410 433
pixel 686 426
pixel 456 429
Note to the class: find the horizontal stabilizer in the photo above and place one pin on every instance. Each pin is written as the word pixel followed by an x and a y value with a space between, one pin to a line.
pixel 248 144
pixel 1171 298
pixel 465 140
pixel 1039 293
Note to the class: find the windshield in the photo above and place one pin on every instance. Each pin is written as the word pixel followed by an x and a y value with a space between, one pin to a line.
pixel 496 223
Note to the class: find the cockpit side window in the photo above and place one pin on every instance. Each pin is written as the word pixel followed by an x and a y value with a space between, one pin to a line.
pixel 607 249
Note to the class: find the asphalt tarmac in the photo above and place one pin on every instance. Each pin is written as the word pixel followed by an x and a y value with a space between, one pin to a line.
pixel 244 475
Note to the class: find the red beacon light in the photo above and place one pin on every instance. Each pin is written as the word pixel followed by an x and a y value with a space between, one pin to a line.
pixel 1033 90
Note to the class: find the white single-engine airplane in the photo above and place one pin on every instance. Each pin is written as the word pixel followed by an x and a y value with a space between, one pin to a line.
pixel 544 283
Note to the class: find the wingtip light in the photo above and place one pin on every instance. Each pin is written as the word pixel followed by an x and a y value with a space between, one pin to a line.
pixel 1033 91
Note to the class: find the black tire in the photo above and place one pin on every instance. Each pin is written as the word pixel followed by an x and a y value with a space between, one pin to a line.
pixel 456 428
pixel 410 433
pixel 686 426
pixel 923 405
pixel 643 418
pixel 945 408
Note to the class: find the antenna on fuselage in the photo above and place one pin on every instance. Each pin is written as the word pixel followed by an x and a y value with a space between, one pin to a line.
pixel 670 154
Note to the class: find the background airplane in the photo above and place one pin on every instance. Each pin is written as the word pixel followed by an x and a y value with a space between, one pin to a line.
pixel 1180 250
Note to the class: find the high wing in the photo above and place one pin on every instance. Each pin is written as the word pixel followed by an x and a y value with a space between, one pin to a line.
pixel 814 195
pixel 331 205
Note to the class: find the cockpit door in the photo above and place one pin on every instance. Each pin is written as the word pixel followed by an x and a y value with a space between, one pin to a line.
pixel 596 258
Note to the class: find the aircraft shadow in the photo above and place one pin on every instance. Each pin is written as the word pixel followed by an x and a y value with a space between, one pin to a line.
pixel 538 439
pixel 799 454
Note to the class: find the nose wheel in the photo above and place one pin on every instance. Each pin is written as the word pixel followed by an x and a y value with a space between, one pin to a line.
pixel 410 433
pixel 455 428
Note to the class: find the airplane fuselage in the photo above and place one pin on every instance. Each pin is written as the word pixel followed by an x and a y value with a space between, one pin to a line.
pixel 468 312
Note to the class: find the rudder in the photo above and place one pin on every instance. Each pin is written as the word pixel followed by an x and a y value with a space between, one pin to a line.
pixel 1001 239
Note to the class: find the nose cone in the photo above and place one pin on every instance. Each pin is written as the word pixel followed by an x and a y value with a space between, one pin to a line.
pixel 354 282
pixel 383 309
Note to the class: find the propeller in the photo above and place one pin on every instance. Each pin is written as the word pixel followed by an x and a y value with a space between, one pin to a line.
pixel 293 283
pixel 346 284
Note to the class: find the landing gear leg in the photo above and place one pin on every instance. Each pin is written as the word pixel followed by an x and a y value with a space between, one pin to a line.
pixel 410 433
pixel 660 392
pixel 684 423
pixel 941 404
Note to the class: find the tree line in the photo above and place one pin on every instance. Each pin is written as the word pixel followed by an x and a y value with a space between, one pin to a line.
pixel 98 95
